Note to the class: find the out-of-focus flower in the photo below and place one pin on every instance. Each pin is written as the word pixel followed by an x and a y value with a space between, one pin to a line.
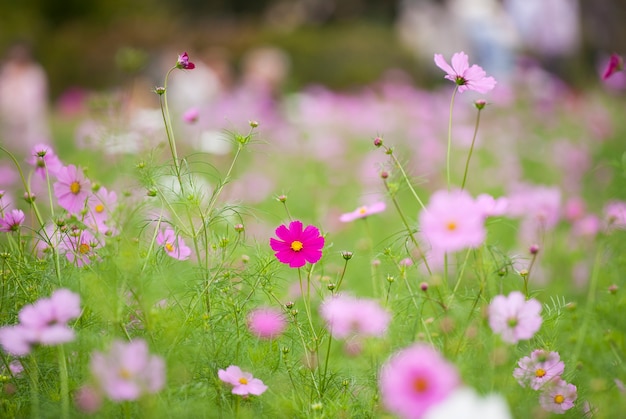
pixel 12 220
pixel 363 212
pixel 173 244
pixel 72 189
pixel 191 115
pixel 615 215
pixel 100 205
pixel 43 158
pixel 491 206
pixel 266 323
pixel 465 77
pixel 453 221
pixel 347 316
pixel 184 63
pixel 415 379
pixel 514 318
pixel 243 382
pixel 538 369
pixel 88 400
pixel 615 64
pixel 128 370
pixel 295 247
pixel 558 396
pixel 79 246
pixel 467 404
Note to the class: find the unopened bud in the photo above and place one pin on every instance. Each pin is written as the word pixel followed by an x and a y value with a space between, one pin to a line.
pixel 346 255
pixel 378 142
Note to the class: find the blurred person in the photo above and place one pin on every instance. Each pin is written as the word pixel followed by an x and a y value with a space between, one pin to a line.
pixel 23 100
pixel 265 70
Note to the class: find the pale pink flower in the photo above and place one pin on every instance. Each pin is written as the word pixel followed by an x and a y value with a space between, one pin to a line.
pixel 243 382
pixel 88 400
pixel 492 207
pixel 363 211
pixel 72 189
pixel 346 316
pixel 587 226
pixel 415 379
pixel 128 370
pixel 100 206
pixel 266 323
pixel 173 244
pixel 44 159
pixel 16 340
pixel 558 396
pixel 539 368
pixel 79 246
pixel 615 214
pixel 514 318
pixel 453 221
pixel 12 220
pixel 465 77
pixel 191 115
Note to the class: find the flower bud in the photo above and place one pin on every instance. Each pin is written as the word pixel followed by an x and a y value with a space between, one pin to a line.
pixel 346 255
pixel 378 142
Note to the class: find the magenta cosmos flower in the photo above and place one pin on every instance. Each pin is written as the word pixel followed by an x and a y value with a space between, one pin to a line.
pixel 184 63
pixel 538 369
pixel 12 220
pixel 615 64
pixel 72 189
pixel 466 77
pixel 363 212
pixel 173 244
pixel 243 382
pixel 415 379
pixel 295 246
pixel 514 318
pixel 266 323
pixel 347 316
pixel 453 221
pixel 558 396
pixel 128 370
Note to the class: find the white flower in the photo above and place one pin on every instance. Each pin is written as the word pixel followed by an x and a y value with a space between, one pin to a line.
pixel 465 403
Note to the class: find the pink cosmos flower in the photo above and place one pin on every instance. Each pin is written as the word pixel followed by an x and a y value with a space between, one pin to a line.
pixel 615 64
pixel 44 159
pixel 100 206
pixel 266 323
pixel 539 368
pixel 173 244
pixel 184 63
pixel 347 316
pixel 191 115
pixel 416 379
pixel 79 246
pixel 88 400
pixel 491 206
pixel 43 322
pixel 128 370
pixel 466 77
pixel 72 189
pixel 363 212
pixel 12 220
pixel 615 214
pixel 558 397
pixel 453 221
pixel 295 246
pixel 514 318
pixel 243 382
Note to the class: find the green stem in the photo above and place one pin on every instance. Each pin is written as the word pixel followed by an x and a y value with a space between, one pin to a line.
pixel 450 136
pixel 469 156
pixel 34 387
pixel 405 176
pixel 65 400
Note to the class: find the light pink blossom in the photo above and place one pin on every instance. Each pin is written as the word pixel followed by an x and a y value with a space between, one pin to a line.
pixel 79 246
pixel 514 318
pixel 539 368
pixel 44 159
pixel 12 220
pixel 266 323
pixel 492 207
pixel 465 77
pixel 173 244
pixel 243 382
pixel 99 208
pixel 346 316
pixel 191 115
pixel 558 397
pixel 363 211
pixel 72 189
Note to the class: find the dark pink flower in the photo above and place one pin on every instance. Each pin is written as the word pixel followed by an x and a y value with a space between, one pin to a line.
pixel 415 379
pixel 72 189
pixel 514 318
pixel 295 246
pixel 191 115
pixel 243 382
pixel 363 212
pixel 539 368
pixel 12 220
pixel 558 397
pixel 184 63
pixel 128 370
pixel 466 77
pixel 173 244
pixel 615 64
pixel 266 323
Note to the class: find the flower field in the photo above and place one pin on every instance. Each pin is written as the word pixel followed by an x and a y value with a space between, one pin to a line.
pixel 389 251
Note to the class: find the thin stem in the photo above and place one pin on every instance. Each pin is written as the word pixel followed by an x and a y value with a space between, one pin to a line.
pixel 450 136
pixel 34 387
pixel 65 401
pixel 405 176
pixel 469 156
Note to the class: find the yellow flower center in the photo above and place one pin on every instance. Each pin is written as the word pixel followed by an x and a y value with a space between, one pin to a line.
pixel 243 380
pixel 451 226
pixel 99 208
pixel 420 385
pixel 124 373
pixel 169 247
pixel 362 210
pixel 540 372
pixel 84 248
pixel 75 187
pixel 296 245
pixel 558 399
